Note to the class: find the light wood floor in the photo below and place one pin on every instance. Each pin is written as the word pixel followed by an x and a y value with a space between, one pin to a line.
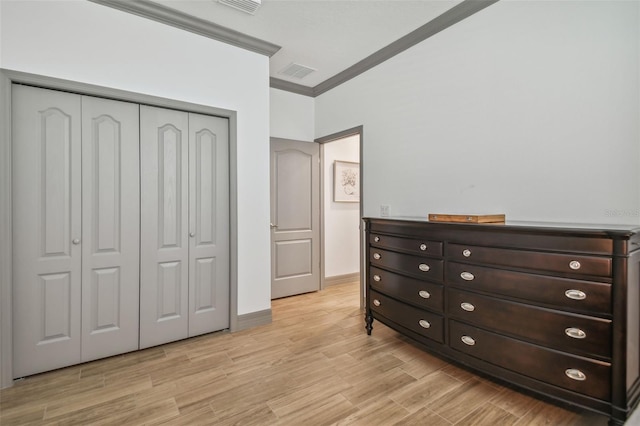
pixel 314 365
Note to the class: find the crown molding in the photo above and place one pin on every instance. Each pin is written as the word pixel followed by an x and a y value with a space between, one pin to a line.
pixel 289 86
pixel 450 17
pixel 175 18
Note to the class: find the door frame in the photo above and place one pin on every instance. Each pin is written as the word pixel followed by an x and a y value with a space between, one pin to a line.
pixel 358 130
pixel 7 78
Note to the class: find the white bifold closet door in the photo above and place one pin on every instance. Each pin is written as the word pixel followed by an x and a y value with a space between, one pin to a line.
pixel 184 276
pixel 75 185
pixel 110 227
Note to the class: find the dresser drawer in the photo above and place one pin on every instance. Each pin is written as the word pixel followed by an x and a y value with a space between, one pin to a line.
pixel 583 375
pixel 575 295
pixel 539 261
pixel 421 267
pixel 431 248
pixel 417 292
pixel 422 322
pixel 590 336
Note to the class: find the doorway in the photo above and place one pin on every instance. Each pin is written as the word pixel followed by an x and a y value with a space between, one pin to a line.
pixel 340 245
pixel 341 212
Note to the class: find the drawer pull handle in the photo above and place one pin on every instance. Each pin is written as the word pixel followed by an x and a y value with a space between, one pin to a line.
pixel 468 340
pixel 376 302
pixel 467 276
pixel 575 265
pixel 424 294
pixel 424 267
pixel 575 374
pixel 467 307
pixel 575 294
pixel 376 239
pixel 423 247
pixel 376 256
pixel 376 278
pixel 424 324
pixel 466 252
pixel 575 333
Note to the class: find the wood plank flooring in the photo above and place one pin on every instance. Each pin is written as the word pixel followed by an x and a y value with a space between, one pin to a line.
pixel 314 365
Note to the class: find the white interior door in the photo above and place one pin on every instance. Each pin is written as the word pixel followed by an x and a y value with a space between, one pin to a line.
pixel 208 224
pixel 46 131
pixel 164 255
pixel 295 217
pixel 110 227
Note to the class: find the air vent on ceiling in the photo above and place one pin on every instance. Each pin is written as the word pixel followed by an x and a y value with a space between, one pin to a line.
pixel 296 71
pixel 248 6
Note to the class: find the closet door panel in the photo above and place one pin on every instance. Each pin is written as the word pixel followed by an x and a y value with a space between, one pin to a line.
pixel 46 229
pixel 164 296
pixel 208 223
pixel 111 227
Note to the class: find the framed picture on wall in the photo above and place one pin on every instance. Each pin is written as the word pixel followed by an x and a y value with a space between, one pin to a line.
pixel 346 182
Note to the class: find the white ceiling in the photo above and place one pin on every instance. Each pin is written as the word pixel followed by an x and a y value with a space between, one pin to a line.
pixel 327 35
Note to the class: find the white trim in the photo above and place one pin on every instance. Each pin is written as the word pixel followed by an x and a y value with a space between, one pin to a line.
pixel 7 77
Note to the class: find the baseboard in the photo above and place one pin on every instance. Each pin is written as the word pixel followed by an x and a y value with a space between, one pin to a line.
pixel 341 279
pixel 253 319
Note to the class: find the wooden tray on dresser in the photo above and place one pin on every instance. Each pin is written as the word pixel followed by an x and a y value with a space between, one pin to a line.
pixel 467 218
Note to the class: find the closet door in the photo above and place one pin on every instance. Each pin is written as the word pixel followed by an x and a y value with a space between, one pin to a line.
pixel 208 224
pixel 164 255
pixel 46 229
pixel 111 227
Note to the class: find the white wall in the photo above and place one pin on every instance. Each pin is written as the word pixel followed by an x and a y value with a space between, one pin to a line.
pixel 292 116
pixel 89 43
pixel 529 108
pixel 341 220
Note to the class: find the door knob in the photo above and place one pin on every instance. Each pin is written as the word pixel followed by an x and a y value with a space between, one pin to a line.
pixel 76 241
pixel 273 226
pixel 192 234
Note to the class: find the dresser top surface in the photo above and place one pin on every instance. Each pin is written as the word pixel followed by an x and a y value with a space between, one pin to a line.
pixel 514 225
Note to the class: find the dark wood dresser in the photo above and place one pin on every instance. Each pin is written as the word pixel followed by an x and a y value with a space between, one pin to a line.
pixel 550 308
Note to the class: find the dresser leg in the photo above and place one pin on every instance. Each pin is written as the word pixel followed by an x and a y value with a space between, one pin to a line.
pixel 368 319
pixel 615 422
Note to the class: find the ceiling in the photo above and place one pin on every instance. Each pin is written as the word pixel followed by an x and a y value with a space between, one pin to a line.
pixel 329 36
